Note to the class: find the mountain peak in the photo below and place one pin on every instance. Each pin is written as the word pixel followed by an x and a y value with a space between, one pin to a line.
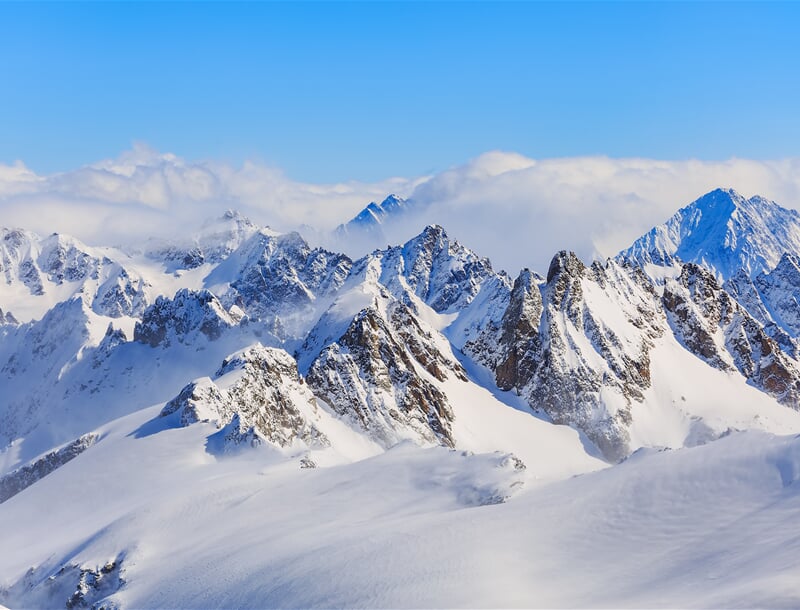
pixel 725 232
pixel 375 214
pixel 565 261
pixel 434 231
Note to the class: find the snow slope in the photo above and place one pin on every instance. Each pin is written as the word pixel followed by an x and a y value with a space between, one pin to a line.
pixel 237 419
pixel 711 526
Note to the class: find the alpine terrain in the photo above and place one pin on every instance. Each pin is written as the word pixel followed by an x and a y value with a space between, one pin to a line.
pixel 237 418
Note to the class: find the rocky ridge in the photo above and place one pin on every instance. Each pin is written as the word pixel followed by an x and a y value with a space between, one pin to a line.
pixel 62 265
pixel 381 374
pixel 374 337
pixel 256 396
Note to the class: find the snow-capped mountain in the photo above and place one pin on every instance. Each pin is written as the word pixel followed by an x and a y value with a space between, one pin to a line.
pixel 40 272
pixel 407 385
pixel 376 225
pixel 724 232
pixel 216 239
pixel 751 245
pixel 369 220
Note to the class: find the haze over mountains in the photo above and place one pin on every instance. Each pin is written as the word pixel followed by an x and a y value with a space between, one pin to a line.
pixel 244 400
pixel 594 206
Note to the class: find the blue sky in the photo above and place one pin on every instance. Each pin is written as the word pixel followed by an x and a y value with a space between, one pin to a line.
pixel 330 91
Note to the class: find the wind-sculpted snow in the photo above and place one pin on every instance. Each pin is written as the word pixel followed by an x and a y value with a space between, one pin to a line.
pixel 255 396
pixel 165 526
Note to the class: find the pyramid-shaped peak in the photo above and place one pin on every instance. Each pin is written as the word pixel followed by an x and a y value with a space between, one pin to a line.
pixel 393 201
pixel 721 201
pixel 723 231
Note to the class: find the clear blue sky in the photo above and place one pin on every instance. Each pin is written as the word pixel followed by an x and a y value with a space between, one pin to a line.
pixel 332 91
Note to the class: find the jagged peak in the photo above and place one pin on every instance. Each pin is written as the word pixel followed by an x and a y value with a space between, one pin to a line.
pixel 18 234
pixel 690 271
pixel 565 262
pixel 723 193
pixel 229 218
pixel 374 214
pixel 393 201
pixel 789 262
pixel 257 354
pixel 434 231
pixel 526 278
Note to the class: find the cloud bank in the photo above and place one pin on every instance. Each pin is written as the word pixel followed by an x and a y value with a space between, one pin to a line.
pixel 516 210
pixel 524 210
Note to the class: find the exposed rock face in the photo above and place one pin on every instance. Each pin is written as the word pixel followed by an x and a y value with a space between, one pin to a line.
pixel 772 299
pixel 17 259
pixel 593 369
pixel 182 318
pixel 63 260
pixel 516 336
pixel 22 478
pixel 121 295
pixel 443 273
pixel 717 329
pixel 72 585
pixel 380 374
pixel 696 307
pixel 256 394
pixel 556 347
pixel 579 345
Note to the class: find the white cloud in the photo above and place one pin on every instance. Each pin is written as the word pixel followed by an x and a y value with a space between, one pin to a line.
pixel 143 193
pixel 516 210
pixel 594 206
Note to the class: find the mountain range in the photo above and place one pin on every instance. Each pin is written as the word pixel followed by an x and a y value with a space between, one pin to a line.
pixel 150 395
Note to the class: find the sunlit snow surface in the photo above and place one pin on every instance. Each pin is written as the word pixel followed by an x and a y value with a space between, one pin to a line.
pixel 711 526
pixel 522 513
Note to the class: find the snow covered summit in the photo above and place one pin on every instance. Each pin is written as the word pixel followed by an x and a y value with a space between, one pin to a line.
pixel 723 231
pixel 240 419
